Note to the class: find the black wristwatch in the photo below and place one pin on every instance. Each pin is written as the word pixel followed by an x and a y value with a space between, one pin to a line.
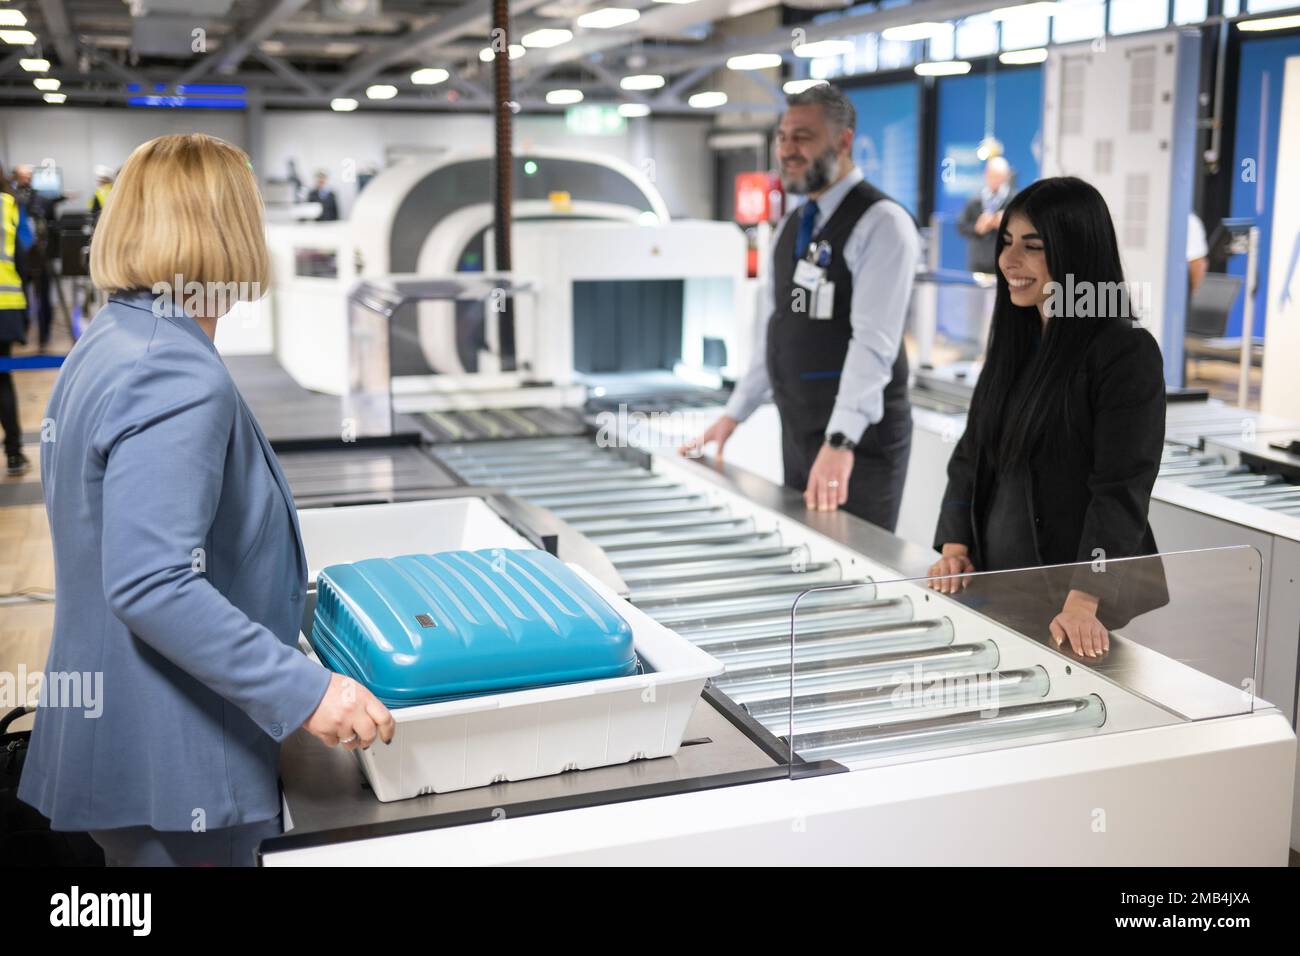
pixel 839 440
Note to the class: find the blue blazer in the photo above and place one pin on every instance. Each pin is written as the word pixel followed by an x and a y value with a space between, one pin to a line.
pixel 179 578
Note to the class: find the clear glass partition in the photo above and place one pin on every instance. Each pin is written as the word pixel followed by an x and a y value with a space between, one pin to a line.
pixel 892 670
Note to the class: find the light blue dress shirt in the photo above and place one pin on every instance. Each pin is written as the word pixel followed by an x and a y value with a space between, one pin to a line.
pixel 882 253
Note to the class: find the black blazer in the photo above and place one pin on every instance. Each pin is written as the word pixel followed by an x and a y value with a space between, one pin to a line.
pixel 1087 499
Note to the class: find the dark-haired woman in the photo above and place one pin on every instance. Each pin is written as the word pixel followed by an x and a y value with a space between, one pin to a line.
pixel 1063 439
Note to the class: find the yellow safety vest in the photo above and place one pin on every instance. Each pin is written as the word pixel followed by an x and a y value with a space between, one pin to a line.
pixel 101 194
pixel 11 287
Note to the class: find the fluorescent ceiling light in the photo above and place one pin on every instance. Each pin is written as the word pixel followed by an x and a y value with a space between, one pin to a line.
pixel 546 37
pixel 915 31
pixel 943 68
pixel 381 91
pixel 754 61
pixel 430 76
pixel 12 18
pixel 707 100
pixel 792 87
pixel 55 97
pixel 563 97
pixel 1033 55
pixel 344 104
pixel 1271 23
pixel 46 83
pixel 486 54
pixel 824 48
pixel 35 65
pixel 1042 8
pixel 18 37
pixel 642 81
pixel 633 110
pixel 608 17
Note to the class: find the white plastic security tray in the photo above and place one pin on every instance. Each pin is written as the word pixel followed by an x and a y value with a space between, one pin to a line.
pixel 459 744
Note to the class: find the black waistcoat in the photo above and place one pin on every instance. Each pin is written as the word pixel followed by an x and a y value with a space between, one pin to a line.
pixel 805 356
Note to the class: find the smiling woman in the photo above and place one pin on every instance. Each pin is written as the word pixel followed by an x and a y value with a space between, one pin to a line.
pixel 1068 403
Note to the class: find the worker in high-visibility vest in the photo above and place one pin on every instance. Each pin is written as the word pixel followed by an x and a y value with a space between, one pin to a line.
pixel 15 236
pixel 103 186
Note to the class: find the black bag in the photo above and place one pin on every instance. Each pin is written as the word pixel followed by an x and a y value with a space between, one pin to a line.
pixel 25 835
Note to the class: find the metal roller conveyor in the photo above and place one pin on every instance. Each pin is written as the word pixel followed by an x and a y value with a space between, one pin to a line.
pixel 899 702
pixel 950 730
pixel 545 470
pixel 869 677
pixel 688 505
pixel 845 621
pixel 1227 485
pixel 762 683
pixel 660 522
pixel 718 518
pixel 733 529
pixel 650 490
pixel 775 651
pixel 1191 466
pixel 1267 496
pixel 684 592
pixel 760 545
pixel 792 559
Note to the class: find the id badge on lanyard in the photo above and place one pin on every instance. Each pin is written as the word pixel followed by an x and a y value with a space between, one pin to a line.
pixel 810 275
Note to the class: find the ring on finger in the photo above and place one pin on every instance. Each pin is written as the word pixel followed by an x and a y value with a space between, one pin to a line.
pixel 348 740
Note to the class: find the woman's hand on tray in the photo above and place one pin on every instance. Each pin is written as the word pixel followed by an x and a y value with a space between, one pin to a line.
pixel 350 716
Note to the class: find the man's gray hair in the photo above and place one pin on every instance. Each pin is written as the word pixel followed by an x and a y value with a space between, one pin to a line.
pixel 838 107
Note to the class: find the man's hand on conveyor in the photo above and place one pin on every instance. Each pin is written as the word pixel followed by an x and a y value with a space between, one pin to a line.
pixel 718 432
pixel 955 560
pixel 1078 623
pixel 350 715
pixel 828 481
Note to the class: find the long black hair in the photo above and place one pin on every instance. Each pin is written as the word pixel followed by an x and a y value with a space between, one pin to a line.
pixel 1078 240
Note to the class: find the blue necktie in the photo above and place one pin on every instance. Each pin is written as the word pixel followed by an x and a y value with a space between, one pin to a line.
pixel 807 216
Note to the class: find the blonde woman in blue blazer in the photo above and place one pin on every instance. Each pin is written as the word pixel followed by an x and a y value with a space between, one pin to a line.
pixel 179 572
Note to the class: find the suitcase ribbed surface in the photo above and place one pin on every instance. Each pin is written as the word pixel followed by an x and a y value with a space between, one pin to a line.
pixel 425 627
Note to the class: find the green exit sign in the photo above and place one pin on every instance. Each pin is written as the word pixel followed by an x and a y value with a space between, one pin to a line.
pixel 594 120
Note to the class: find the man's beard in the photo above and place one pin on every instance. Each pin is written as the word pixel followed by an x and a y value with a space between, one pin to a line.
pixel 821 173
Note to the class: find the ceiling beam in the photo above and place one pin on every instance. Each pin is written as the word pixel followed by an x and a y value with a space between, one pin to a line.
pixel 228 60
pixel 288 72
pixel 56 22
pixel 470 17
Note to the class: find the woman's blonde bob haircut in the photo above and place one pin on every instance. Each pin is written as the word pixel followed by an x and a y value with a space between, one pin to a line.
pixel 183 209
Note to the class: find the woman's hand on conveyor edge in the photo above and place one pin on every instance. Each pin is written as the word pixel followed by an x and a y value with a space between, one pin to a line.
pixel 955 560
pixel 1078 624
pixel 349 710
pixel 718 432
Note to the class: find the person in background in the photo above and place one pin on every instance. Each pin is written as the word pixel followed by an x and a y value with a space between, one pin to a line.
pixel 830 333
pixel 178 562
pixel 99 198
pixel 321 193
pixel 41 211
pixel 1198 252
pixel 982 216
pixel 15 237
pixel 1067 422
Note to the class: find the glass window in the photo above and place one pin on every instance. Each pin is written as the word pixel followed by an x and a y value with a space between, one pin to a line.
pixel 1078 20
pixel 1191 11
pixel 825 67
pixel 864 55
pixel 1263 6
pixel 977 36
pixel 896 54
pixel 1231 8
pixel 942 45
pixel 1023 32
pixel 1134 16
